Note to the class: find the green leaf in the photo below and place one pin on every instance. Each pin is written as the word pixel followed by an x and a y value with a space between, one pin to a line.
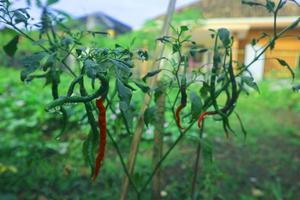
pixel 187 38
pixel 88 152
pixel 123 67
pixel 149 115
pixel 280 6
pixel 285 64
pixel 253 42
pixel 49 62
pixel 151 74
pixel 252 3
pixel 250 82
pixel 132 42
pixel 204 90
pixel 31 63
pixel 66 41
pixel 296 88
pixel 50 2
pixel 224 36
pixel 143 55
pixel 25 73
pixel 21 17
pixel 183 29
pixel 196 106
pixel 80 50
pixel 90 68
pixel 241 124
pixel 195 49
pixel 24 11
pixel 176 47
pixel 142 86
pixel 124 94
pixel 164 39
pixel 11 47
pixel 270 5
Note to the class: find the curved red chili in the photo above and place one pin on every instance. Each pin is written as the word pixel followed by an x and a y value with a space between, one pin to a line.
pixel 182 105
pixel 201 118
pixel 102 142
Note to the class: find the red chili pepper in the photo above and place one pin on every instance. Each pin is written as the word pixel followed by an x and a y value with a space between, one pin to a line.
pixel 102 143
pixel 177 115
pixel 201 118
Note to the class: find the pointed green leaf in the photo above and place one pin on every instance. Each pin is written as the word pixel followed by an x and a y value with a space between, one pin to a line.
pixel 250 82
pixel 252 3
pixel 285 64
pixel 296 88
pixel 241 124
pixel 124 93
pixel 90 68
pixel 270 6
pixel 183 29
pixel 142 86
pixel 150 74
pixel 50 2
pixel 11 47
pixel 224 36
pixel 88 152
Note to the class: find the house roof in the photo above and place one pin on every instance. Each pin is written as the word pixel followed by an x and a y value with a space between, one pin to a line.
pixel 107 22
pixel 235 9
pixel 242 23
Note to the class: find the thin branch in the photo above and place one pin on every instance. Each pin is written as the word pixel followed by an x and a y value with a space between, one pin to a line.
pixel 197 162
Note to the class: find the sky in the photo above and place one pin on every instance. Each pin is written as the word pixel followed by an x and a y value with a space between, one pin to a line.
pixel 131 12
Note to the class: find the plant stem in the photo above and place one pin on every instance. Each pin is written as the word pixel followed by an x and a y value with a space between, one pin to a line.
pixel 197 162
pixel 122 161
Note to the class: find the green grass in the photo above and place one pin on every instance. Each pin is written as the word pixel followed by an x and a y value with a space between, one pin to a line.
pixel 33 164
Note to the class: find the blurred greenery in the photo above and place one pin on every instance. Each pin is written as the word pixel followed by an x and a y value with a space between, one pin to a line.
pixel 34 164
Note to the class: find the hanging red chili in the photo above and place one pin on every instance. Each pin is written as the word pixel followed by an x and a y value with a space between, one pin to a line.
pixel 177 115
pixel 102 142
pixel 182 105
pixel 201 118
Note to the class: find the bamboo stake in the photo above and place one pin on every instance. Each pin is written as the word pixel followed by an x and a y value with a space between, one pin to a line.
pixel 159 50
pixel 158 145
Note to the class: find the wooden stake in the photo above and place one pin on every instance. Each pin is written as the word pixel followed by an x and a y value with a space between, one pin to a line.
pixel 158 145
pixel 159 50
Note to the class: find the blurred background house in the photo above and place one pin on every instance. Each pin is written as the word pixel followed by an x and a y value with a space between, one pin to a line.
pixel 245 24
pixel 102 22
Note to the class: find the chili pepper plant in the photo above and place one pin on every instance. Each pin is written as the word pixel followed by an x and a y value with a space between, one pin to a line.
pixel 102 76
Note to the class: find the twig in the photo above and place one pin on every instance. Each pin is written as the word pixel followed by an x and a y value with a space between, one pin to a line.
pixel 197 163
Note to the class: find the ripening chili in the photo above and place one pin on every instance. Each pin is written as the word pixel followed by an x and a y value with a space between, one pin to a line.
pixel 182 105
pixel 177 115
pixel 201 118
pixel 102 142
